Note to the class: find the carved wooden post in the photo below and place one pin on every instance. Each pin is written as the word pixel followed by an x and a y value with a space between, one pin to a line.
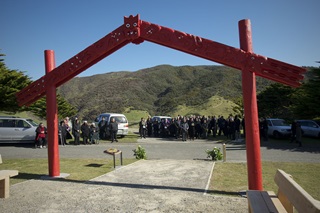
pixel 251 112
pixel 52 119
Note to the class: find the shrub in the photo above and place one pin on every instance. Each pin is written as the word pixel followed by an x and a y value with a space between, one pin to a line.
pixel 140 153
pixel 215 154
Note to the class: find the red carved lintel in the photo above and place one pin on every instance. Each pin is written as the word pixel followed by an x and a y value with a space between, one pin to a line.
pixel 136 31
pixel 265 67
pixel 115 40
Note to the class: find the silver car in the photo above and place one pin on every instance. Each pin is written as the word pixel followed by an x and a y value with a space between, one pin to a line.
pixel 309 128
pixel 13 129
pixel 278 128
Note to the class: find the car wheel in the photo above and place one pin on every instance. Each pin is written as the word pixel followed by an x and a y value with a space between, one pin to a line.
pixel 276 135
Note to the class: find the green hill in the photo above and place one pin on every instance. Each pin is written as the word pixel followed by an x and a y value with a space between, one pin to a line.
pixel 161 90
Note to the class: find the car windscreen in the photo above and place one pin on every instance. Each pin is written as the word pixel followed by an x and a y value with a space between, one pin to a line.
pixel 279 123
pixel 32 122
pixel 120 119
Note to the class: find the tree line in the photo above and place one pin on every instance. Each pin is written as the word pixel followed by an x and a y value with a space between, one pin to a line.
pixel 280 101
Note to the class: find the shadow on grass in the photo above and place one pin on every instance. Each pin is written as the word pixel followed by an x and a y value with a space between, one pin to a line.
pixel 94 165
pixel 28 176
pixel 225 193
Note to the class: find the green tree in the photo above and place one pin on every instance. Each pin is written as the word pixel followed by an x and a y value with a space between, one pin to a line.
pixel 12 81
pixel 238 109
pixel 306 99
pixel 275 101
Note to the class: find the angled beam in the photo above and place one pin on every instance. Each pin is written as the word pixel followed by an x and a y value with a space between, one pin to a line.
pixel 265 67
pixel 115 40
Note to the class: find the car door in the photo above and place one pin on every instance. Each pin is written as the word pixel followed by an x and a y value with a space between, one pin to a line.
pixel 313 129
pixel 23 131
pixel 6 129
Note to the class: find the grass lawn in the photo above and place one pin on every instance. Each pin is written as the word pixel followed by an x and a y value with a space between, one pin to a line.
pixel 79 169
pixel 231 178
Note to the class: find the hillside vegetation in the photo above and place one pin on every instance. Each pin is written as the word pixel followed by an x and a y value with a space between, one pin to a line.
pixel 161 90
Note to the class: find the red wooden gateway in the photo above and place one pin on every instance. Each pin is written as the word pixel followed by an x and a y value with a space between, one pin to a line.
pixel 137 31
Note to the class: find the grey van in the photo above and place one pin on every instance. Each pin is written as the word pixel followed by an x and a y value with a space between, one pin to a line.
pixel 14 129
pixel 121 119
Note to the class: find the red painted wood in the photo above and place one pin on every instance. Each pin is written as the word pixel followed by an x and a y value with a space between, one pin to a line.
pixel 251 113
pixel 52 119
pixel 136 31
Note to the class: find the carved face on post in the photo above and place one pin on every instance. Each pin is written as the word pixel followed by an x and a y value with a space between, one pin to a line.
pixel 132 25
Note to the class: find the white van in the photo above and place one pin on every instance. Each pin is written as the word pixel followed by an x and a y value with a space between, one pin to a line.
pixel 14 129
pixel 159 118
pixel 123 125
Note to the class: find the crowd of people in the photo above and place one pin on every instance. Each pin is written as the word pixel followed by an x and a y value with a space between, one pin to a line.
pixel 69 130
pixel 184 127
pixel 192 127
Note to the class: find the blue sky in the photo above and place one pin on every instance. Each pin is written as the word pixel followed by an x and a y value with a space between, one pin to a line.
pixel 286 30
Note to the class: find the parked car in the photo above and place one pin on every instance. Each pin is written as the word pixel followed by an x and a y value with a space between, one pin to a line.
pixel 159 118
pixel 123 125
pixel 278 128
pixel 317 121
pixel 309 128
pixel 15 129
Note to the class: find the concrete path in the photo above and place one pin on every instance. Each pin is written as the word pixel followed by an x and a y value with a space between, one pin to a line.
pixel 144 186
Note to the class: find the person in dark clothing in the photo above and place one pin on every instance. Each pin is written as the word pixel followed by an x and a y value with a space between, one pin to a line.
pixel 94 132
pixel 204 127
pixel 293 131
pixel 85 130
pixel 184 129
pixel 63 133
pixel 76 131
pixel 113 127
pixel 149 126
pixel 156 128
pixel 142 128
pixel 198 128
pixel 177 124
pixel 164 128
pixel 237 123
pixel 232 128
pixel 213 126
pixel 192 129
pixel 298 134
pixel 264 128
pixel 221 125
pixel 102 128
pixel 226 127
pixel 243 127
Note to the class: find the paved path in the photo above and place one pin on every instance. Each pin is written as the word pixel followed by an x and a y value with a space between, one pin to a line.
pixel 144 186
pixel 168 148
